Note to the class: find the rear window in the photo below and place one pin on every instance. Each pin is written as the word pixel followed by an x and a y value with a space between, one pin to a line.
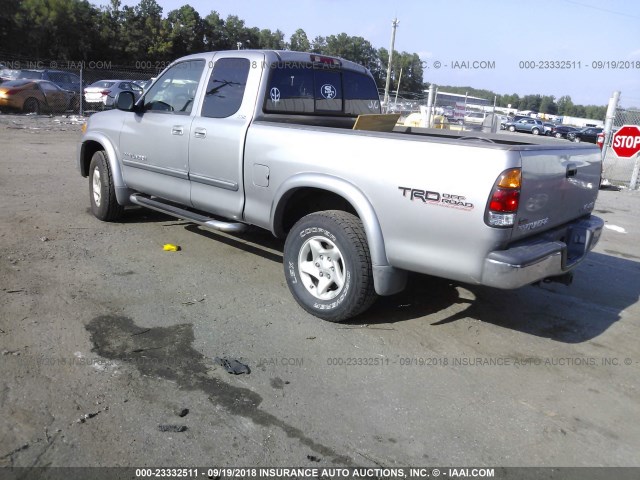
pixel 102 84
pixel 309 89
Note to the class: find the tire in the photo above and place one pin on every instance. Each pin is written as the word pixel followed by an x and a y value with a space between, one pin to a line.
pixel 558 135
pixel 535 131
pixel 31 105
pixel 102 192
pixel 577 139
pixel 512 128
pixel 323 245
pixel 74 105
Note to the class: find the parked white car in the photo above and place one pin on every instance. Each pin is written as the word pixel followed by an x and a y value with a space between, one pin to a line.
pixel 474 118
pixel 103 92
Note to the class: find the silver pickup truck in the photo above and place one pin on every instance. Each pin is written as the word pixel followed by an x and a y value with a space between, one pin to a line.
pixel 266 138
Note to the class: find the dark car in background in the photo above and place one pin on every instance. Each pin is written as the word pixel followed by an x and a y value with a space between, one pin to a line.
pixel 588 134
pixel 65 80
pixel 561 131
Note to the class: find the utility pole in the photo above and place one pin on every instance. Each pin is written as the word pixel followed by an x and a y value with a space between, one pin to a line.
pixel 394 26
pixel 398 87
pixel 429 111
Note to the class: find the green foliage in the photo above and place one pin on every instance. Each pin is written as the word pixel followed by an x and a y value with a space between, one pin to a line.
pixel 319 44
pixel 60 29
pixel 299 41
pixel 271 40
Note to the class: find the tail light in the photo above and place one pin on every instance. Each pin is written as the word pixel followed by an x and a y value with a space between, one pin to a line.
pixel 105 92
pixel 504 200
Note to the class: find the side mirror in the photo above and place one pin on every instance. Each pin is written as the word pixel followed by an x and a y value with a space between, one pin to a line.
pixel 125 101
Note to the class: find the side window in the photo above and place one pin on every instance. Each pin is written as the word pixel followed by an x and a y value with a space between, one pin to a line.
pixel 176 89
pixel 226 86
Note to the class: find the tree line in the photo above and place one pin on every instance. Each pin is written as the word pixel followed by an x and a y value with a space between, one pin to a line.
pixel 76 30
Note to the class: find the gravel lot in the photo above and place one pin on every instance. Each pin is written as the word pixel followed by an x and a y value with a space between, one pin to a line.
pixel 108 344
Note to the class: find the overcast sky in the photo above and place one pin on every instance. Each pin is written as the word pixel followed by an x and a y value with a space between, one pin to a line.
pixel 584 34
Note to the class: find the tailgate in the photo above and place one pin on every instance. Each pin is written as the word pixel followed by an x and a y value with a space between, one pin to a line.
pixel 558 186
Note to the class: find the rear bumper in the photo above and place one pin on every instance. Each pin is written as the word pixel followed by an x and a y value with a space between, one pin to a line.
pixel 551 254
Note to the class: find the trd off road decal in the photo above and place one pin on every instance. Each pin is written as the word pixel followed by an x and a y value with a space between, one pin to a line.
pixel 428 197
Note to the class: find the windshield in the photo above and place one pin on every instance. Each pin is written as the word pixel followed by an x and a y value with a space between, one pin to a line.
pixel 102 84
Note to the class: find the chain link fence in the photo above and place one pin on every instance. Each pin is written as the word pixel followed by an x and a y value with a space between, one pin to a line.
pixel 104 79
pixel 449 111
pixel 616 170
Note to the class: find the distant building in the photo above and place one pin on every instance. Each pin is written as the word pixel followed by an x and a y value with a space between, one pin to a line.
pixel 446 99
pixel 581 122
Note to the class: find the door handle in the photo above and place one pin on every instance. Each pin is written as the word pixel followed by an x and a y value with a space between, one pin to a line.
pixel 572 170
pixel 200 132
pixel 177 130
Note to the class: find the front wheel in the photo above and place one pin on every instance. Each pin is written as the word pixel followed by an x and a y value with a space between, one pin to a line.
pixel 535 131
pixel 577 139
pixel 328 266
pixel 512 128
pixel 31 105
pixel 102 190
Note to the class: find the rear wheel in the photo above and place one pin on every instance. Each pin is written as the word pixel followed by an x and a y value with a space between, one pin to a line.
pixel 74 104
pixel 101 189
pixel 328 266
pixel 31 105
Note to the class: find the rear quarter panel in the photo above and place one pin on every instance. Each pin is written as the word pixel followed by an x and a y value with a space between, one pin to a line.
pixel 421 232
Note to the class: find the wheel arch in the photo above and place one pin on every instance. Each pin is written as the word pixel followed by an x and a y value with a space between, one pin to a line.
pixel 326 192
pixel 91 143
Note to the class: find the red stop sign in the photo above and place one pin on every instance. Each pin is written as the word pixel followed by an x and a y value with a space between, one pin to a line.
pixel 626 141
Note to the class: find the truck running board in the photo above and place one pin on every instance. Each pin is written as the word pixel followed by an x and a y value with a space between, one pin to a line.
pixel 170 209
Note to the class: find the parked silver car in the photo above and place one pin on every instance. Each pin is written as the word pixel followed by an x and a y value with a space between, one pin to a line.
pixel 103 92
pixel 530 125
